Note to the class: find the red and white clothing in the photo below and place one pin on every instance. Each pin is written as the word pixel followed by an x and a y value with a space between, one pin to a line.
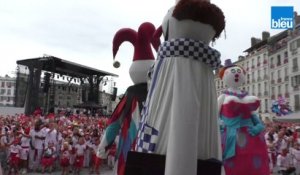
pixel 80 150
pixel 65 157
pixel 296 158
pixel 25 144
pixel 284 162
pixel 48 157
pixel 51 136
pixel 37 143
pixel 14 154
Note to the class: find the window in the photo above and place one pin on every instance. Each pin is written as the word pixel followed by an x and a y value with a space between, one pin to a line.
pixel 8 92
pixel 278 60
pixel 2 84
pixel 8 99
pixel 297 102
pixel 258 60
pixel 259 88
pixel 272 76
pixel 285 72
pixel 8 84
pixel 258 72
pixel 285 54
pixel 265 72
pixel 253 89
pixel 2 91
pixel 265 85
pixel 252 62
pixel 293 45
pixel 273 90
pixel 279 89
pixel 266 105
pixel 272 60
pixel 279 74
pixel 286 88
pixel 295 62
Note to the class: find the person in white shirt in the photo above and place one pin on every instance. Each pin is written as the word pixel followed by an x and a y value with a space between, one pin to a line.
pixel 25 145
pixel 295 152
pixel 80 149
pixel 37 145
pixel 14 157
pixel 285 162
pixel 282 142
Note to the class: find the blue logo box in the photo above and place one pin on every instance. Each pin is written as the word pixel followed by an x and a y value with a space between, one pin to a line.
pixel 282 17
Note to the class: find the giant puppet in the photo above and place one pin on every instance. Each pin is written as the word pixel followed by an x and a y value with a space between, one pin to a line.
pixel 126 117
pixel 180 113
pixel 243 143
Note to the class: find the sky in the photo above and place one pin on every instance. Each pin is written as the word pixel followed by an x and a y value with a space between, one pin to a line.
pixel 81 31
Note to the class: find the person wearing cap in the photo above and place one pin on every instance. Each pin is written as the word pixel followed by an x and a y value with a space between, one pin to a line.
pixel 244 146
pixel 126 116
pixel 181 107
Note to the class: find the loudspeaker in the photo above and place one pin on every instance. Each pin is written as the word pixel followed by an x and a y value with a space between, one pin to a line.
pixel 46 82
pixel 114 95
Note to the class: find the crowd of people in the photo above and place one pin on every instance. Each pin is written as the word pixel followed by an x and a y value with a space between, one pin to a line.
pixel 68 142
pixel 283 142
pixel 44 143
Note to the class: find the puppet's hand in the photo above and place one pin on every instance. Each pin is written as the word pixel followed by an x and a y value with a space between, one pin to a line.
pixel 255 130
pixel 258 125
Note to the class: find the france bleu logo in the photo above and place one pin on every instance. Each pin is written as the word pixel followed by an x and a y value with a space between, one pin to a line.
pixel 282 17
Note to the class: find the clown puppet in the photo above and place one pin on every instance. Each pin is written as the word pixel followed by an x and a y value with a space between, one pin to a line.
pixel 243 144
pixel 126 117
pixel 180 115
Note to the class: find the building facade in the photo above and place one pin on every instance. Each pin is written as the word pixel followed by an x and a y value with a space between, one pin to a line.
pixel 272 69
pixel 7 91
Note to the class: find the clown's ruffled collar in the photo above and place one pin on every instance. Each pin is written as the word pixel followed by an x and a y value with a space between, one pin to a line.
pixel 237 93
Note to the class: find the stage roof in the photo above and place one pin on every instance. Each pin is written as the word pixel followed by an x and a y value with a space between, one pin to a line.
pixel 64 67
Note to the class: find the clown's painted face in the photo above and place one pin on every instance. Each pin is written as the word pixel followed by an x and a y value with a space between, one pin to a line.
pixel 234 77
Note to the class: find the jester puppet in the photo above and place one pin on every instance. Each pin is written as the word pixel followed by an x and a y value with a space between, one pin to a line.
pixel 243 143
pixel 180 115
pixel 126 117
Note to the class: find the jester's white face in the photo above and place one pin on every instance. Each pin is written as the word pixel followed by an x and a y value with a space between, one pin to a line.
pixel 234 77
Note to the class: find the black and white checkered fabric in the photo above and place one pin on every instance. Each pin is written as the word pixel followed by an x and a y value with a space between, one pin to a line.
pixel 189 48
pixel 147 139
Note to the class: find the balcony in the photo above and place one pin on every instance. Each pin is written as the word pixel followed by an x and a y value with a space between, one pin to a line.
pixel 266 93
pixel 286 78
pixel 286 95
pixel 285 61
pixel 273 97
pixel 272 66
pixel 272 81
pixel 279 80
